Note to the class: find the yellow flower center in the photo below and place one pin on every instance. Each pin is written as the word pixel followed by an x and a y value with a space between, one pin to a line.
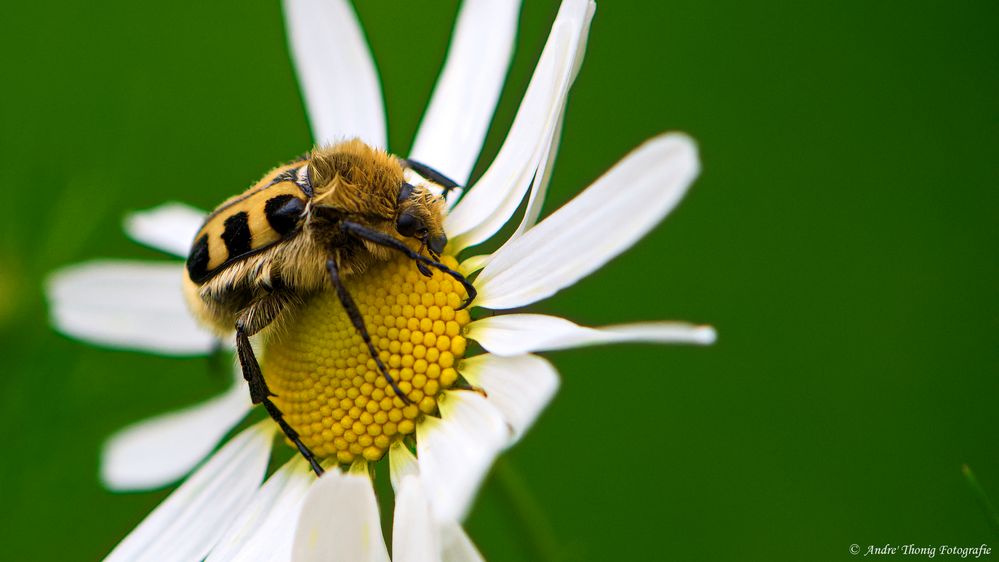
pixel 328 386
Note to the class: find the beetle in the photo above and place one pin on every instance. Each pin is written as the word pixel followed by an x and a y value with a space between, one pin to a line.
pixel 303 228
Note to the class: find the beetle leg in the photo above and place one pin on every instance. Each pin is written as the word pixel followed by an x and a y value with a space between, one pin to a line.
pixel 246 326
pixel 358 321
pixel 383 239
pixel 423 269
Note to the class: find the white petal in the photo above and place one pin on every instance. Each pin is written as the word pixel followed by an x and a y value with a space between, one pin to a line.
pixel 452 543
pixel 600 223
pixel 473 264
pixel 513 334
pixel 335 69
pixel 498 193
pixel 519 387
pixel 456 450
pixel 193 518
pixel 402 463
pixel 160 450
pixel 122 304
pixel 415 533
pixel 457 546
pixel 454 127
pixel 264 530
pixel 170 227
pixel 339 521
pixel 539 186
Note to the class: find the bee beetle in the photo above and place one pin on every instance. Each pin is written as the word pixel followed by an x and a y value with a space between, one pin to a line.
pixel 303 228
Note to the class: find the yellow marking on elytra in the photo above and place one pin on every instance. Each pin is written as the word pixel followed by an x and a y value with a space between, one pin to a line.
pixel 260 230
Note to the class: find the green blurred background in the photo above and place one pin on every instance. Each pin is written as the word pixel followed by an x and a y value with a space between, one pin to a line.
pixel 842 239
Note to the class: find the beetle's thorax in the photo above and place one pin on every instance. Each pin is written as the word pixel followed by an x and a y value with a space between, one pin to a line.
pixel 356 179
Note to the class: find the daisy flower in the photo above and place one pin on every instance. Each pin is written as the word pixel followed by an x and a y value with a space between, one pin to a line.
pixel 465 408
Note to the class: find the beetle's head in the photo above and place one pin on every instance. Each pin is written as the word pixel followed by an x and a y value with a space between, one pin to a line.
pixel 420 215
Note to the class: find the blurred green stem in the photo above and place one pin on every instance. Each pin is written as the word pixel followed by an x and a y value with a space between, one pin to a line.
pixel 528 511
pixel 982 497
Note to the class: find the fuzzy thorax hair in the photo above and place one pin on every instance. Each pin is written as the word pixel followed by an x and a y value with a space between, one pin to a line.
pixel 356 179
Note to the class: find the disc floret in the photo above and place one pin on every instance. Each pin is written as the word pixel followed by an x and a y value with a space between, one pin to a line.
pixel 329 387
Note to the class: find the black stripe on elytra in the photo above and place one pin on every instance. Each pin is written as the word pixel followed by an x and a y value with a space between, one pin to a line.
pixel 237 234
pixel 208 275
pixel 284 212
pixel 197 260
pixel 292 176
pixel 287 175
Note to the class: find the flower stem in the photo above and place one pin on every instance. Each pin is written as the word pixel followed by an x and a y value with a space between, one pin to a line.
pixel 529 512
pixel 982 497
